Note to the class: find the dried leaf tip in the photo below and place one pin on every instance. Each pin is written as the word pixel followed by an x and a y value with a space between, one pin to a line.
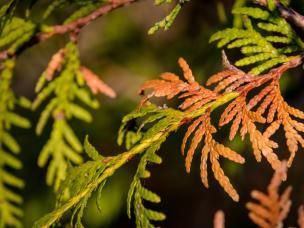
pixel 55 64
pixel 186 69
pixel 95 84
pixel 279 176
pixel 219 219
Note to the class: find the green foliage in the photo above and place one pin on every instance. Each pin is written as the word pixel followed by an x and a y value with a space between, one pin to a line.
pixel 83 11
pixel 169 19
pixel 10 212
pixel 138 193
pixel 6 13
pixel 156 119
pixel 84 7
pixel 260 39
pixel 79 181
pixel 237 19
pixel 15 33
pixel 63 145
pixel 83 180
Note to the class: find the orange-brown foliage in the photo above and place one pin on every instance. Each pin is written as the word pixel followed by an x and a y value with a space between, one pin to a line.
pixel 54 64
pixel 212 150
pixel 272 208
pixel 95 84
pixel 267 107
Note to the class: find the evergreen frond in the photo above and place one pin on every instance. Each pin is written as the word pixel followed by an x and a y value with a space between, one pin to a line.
pixel 138 193
pixel 81 181
pixel 260 42
pixel 64 78
pixel 10 201
pixel 159 119
pixel 169 19
pixel 84 7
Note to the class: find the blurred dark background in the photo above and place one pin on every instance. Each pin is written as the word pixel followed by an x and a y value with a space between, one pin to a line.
pixel 118 48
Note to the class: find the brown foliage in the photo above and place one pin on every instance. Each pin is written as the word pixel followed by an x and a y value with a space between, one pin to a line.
pixel 170 85
pixel 272 208
pixel 54 64
pixel 267 107
pixel 202 128
pixel 279 114
pixel 238 112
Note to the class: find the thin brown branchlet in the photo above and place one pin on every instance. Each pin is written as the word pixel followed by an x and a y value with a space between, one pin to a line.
pixel 83 21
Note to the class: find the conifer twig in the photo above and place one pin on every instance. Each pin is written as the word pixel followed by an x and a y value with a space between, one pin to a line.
pixel 123 158
pixel 81 22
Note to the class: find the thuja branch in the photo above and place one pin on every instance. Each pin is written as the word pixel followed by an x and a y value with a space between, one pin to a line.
pixel 115 163
pixel 81 22
pixel 235 84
